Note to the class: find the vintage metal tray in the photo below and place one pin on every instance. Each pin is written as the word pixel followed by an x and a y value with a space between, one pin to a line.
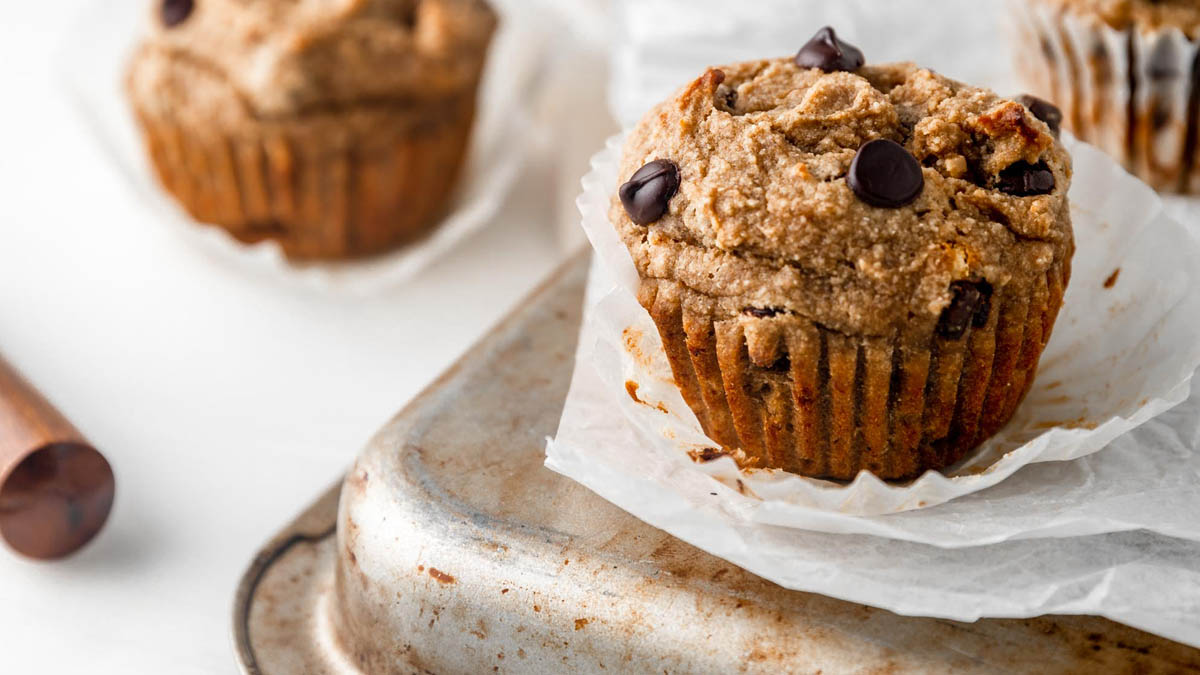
pixel 456 551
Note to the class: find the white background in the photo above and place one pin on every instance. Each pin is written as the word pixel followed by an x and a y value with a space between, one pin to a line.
pixel 225 403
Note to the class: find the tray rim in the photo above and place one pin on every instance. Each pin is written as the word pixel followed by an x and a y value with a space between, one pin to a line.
pixel 322 513
pixel 318 521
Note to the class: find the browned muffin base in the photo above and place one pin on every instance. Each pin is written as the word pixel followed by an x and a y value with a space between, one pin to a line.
pixel 323 188
pixel 831 406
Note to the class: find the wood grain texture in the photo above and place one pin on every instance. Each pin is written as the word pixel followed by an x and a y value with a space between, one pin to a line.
pixel 56 490
pixel 27 420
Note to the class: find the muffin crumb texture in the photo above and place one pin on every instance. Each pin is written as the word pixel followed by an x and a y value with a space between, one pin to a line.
pixel 765 216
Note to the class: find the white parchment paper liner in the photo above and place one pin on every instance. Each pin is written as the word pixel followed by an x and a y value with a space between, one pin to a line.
pixel 1028 546
pixel 1055 537
pixel 93 64
pixel 1118 357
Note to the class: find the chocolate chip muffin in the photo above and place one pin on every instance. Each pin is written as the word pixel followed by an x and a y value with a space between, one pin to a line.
pixel 1124 73
pixel 852 267
pixel 334 128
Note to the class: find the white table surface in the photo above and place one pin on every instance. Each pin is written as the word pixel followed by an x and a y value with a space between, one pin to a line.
pixel 224 403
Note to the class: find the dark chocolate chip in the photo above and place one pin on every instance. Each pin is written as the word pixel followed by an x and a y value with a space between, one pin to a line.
pixel 985 304
pixel 649 191
pixel 175 12
pixel 970 305
pixel 1044 111
pixel 1026 180
pixel 763 312
pixel 710 454
pixel 782 364
pixel 827 52
pixel 884 174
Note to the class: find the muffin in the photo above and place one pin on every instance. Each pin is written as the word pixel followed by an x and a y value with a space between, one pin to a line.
pixel 1122 71
pixel 336 129
pixel 851 267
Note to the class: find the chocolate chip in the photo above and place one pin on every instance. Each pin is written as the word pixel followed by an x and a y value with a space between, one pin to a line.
pixel 763 312
pixel 708 455
pixel 985 304
pixel 175 12
pixel 827 52
pixel 783 364
pixel 1026 180
pixel 649 191
pixel 970 305
pixel 884 174
pixel 1044 111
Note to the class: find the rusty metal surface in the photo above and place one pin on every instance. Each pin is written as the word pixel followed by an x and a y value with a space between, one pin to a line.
pixel 456 551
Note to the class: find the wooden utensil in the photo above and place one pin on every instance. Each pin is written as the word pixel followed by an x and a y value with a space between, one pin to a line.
pixel 56 490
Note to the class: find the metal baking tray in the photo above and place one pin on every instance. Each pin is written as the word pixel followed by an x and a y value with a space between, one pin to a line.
pixel 455 551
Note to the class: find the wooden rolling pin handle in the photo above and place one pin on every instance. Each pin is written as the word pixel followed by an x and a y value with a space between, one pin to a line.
pixel 56 490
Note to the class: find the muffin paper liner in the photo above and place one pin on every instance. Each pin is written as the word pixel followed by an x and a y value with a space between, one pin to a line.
pixel 1130 92
pixel 847 404
pixel 1123 352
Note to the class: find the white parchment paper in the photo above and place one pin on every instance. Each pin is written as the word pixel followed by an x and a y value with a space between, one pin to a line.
pixel 1119 356
pixel 93 65
pixel 1113 533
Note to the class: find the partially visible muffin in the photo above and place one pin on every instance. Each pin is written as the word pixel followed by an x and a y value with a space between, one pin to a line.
pixel 851 267
pixel 337 129
pixel 1123 72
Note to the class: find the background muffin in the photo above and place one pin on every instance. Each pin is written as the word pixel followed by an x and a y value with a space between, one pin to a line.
pixel 849 270
pixel 335 128
pixel 1123 71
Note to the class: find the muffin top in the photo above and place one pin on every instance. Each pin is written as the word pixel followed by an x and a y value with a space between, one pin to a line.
pixel 229 59
pixel 773 215
pixel 1146 14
